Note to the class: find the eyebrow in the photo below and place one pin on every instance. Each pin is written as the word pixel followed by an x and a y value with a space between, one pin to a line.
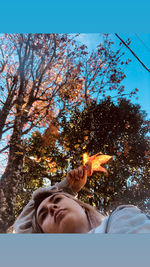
pixel 42 209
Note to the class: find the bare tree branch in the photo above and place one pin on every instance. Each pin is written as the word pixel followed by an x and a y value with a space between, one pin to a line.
pixel 3 149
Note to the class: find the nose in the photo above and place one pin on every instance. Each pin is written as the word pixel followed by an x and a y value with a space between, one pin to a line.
pixel 51 208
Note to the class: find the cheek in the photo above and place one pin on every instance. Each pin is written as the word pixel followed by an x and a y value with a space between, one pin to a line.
pixel 77 212
pixel 78 209
pixel 48 225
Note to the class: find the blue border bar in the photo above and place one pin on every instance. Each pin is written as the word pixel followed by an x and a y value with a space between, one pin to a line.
pixel 74 16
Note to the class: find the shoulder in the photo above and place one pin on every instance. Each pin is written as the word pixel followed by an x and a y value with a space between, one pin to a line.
pixel 128 219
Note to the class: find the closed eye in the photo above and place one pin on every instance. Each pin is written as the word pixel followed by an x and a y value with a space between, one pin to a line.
pixel 57 199
pixel 43 216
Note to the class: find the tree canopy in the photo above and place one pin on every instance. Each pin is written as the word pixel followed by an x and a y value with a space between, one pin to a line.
pixel 119 130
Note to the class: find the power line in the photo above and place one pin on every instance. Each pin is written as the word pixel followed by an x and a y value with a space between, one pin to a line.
pixel 132 52
pixel 142 42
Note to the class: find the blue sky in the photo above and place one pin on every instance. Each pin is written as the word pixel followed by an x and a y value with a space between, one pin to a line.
pixel 137 75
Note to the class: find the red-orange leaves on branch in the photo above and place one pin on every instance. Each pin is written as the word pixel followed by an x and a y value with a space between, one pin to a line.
pixel 72 90
pixel 94 163
pixel 50 135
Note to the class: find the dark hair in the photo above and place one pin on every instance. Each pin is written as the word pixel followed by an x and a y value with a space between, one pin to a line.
pixel 93 215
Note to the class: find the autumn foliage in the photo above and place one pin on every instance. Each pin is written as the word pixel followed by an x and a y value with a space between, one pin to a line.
pixel 50 84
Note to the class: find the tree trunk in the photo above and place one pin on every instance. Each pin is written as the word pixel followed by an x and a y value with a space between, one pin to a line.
pixel 4 112
pixel 9 186
pixel 9 183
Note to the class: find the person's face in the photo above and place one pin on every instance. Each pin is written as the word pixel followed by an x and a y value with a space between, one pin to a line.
pixel 60 214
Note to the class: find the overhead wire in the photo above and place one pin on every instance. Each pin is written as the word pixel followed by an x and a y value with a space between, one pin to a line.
pixel 132 52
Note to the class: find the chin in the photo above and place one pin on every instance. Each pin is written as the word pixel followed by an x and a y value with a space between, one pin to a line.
pixel 68 225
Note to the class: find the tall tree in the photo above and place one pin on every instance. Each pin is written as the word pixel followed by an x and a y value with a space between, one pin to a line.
pixel 34 81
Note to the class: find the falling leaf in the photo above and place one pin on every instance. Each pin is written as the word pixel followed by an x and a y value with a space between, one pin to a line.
pixel 94 163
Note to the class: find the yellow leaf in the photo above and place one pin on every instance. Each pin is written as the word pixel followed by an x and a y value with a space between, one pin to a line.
pixel 19 153
pixel 76 146
pixel 85 158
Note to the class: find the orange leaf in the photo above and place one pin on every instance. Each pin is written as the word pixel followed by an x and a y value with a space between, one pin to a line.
pixel 76 146
pixel 94 163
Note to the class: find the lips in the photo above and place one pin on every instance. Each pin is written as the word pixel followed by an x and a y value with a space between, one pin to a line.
pixel 58 214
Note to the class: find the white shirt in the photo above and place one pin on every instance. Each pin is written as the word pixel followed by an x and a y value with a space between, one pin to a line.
pixel 125 219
